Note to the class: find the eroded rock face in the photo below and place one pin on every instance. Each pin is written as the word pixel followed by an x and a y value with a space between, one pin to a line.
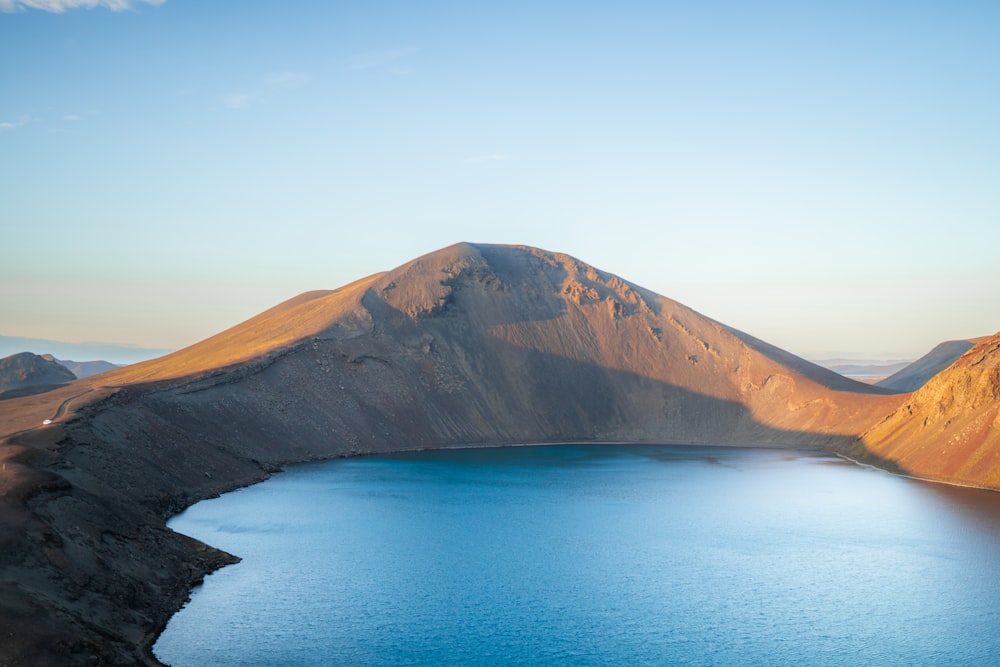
pixel 950 428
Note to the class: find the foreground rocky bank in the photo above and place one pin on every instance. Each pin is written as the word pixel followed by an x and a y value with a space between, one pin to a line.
pixel 473 344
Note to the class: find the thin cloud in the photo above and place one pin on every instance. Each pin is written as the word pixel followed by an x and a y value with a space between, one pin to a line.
pixel 479 159
pixel 286 80
pixel 238 101
pixel 72 117
pixel 60 6
pixel 11 124
pixel 191 90
pixel 376 59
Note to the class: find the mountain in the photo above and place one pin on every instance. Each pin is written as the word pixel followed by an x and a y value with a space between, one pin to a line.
pixel 24 369
pixel 82 369
pixel 491 344
pixel 473 344
pixel 949 429
pixel 913 376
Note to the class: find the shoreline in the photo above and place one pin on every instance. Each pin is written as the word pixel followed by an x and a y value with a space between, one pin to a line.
pixel 916 478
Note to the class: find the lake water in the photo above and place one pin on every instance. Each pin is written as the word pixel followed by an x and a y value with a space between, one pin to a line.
pixel 594 555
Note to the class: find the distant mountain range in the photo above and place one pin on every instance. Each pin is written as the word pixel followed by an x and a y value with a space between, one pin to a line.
pixel 470 345
pixel 903 375
pixel 83 369
pixel 869 372
pixel 113 352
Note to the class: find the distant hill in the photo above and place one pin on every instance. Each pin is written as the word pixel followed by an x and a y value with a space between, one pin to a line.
pixel 25 369
pixel 82 369
pixel 915 375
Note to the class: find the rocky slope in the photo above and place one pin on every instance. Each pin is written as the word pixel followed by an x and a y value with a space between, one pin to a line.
pixel 948 430
pixel 472 344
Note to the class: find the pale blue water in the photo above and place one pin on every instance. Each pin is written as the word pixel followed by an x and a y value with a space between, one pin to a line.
pixel 594 555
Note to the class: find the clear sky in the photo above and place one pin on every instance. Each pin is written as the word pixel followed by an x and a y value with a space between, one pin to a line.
pixel 822 175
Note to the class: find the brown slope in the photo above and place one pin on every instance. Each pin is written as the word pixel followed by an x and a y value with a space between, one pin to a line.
pixel 949 430
pixel 915 375
pixel 471 344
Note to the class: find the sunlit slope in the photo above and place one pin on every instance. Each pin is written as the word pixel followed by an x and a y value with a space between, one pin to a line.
pixel 949 430
pixel 336 312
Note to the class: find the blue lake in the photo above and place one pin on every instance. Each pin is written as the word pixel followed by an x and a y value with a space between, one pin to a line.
pixel 594 555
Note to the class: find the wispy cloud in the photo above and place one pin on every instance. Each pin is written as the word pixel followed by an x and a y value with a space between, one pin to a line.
pixel 379 59
pixel 479 159
pixel 286 79
pixel 11 124
pixel 60 6
pixel 237 100
pixel 266 89
pixel 191 90
pixel 72 117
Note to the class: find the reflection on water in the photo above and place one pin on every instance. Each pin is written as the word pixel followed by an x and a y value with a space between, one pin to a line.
pixel 594 555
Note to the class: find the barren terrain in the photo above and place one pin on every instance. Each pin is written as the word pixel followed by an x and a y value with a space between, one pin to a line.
pixel 473 344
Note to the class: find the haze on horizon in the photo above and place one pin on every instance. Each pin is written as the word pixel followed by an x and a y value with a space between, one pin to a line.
pixel 823 178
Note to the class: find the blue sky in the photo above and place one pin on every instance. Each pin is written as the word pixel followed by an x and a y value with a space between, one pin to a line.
pixel 824 176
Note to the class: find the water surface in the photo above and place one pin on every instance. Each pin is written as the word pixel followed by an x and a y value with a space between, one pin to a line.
pixel 594 555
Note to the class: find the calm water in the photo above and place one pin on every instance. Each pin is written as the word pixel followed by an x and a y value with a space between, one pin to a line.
pixel 594 555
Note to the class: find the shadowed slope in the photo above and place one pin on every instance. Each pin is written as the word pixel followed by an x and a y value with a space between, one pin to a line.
pixel 917 374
